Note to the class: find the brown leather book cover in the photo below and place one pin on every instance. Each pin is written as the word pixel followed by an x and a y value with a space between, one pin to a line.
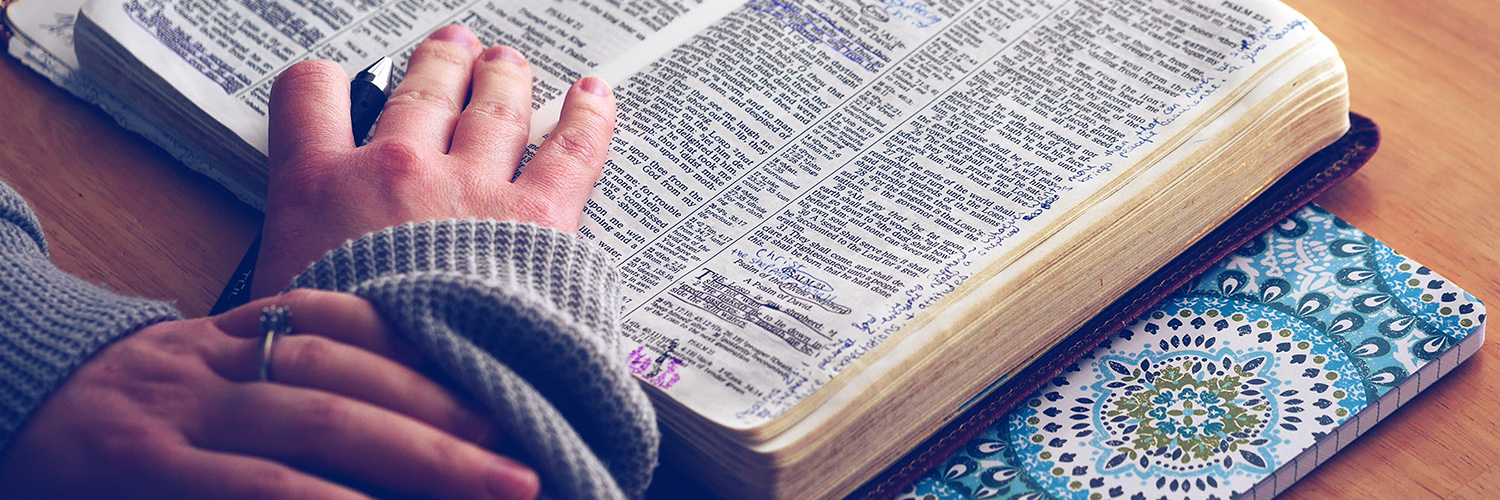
pixel 1305 182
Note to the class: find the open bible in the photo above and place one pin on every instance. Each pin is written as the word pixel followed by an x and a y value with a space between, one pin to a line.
pixel 838 222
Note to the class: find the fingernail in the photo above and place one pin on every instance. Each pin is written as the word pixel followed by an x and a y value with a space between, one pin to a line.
pixel 594 85
pixel 454 33
pixel 510 480
pixel 503 53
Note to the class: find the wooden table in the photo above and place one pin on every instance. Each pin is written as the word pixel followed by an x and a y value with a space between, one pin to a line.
pixel 120 212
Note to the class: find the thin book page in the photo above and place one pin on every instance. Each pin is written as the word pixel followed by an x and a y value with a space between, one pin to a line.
pixel 223 56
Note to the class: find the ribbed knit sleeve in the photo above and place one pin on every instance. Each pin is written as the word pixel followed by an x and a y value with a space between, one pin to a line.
pixel 50 321
pixel 524 319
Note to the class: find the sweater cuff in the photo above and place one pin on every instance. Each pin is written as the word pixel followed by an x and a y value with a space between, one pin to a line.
pixel 50 322
pixel 523 318
pixel 567 273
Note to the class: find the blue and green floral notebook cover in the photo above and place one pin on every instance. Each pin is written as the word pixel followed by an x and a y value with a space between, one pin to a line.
pixel 1235 386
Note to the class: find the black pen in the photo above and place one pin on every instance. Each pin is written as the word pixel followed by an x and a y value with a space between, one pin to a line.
pixel 367 94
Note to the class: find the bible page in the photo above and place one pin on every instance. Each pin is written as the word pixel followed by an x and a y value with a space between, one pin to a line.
pixel 224 55
pixel 795 183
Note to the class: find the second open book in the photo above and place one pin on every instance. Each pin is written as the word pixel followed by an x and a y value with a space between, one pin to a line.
pixel 837 222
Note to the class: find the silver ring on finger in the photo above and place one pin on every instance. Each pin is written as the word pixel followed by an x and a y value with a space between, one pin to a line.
pixel 275 321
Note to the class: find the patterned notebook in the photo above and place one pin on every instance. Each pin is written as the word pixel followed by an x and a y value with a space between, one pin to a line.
pixel 1235 386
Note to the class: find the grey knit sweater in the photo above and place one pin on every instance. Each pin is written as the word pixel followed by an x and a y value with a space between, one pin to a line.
pixel 523 318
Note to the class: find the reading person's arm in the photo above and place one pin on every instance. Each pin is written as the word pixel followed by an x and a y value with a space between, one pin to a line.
pixel 105 396
pixel 174 410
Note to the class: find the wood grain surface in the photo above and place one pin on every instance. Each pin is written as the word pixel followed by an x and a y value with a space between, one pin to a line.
pixel 120 212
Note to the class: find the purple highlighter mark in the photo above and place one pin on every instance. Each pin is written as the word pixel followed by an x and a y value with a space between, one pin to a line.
pixel 816 27
pixel 660 371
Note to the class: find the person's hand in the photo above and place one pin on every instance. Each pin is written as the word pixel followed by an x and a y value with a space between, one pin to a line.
pixel 446 147
pixel 177 410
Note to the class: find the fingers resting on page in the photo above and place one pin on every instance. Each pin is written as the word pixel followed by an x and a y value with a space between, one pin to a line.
pixel 178 410
pixel 446 146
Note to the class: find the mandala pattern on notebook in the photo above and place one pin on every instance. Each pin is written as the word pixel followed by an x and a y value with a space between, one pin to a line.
pixel 1226 380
